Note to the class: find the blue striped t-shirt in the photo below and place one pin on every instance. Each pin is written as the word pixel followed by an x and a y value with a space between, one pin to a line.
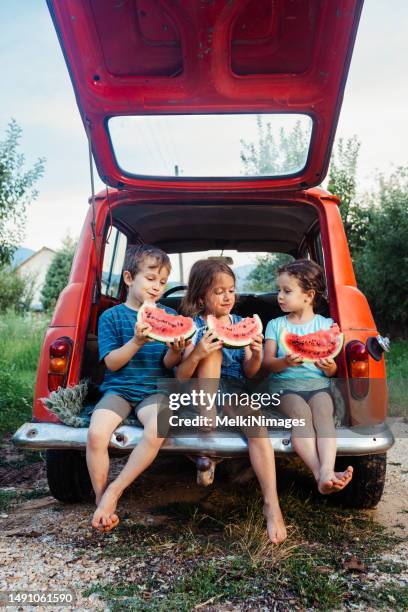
pixel 231 365
pixel 138 378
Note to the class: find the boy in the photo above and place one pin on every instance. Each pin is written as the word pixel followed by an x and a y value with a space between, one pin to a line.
pixel 133 364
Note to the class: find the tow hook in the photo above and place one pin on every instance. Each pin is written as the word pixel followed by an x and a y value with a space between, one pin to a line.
pixel 205 469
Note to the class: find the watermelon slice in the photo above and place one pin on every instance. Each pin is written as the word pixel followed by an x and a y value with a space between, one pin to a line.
pixel 236 335
pixel 165 327
pixel 319 345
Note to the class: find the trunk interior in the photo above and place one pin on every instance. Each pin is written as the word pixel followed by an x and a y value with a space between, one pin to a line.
pixel 289 228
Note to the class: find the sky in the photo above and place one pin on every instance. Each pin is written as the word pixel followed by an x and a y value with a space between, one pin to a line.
pixel 36 91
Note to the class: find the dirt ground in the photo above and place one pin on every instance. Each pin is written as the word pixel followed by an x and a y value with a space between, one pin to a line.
pixel 42 541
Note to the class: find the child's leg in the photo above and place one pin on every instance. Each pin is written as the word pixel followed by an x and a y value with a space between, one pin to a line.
pixel 209 373
pixel 303 437
pixel 262 459
pixel 322 408
pixel 140 458
pixel 263 462
pixel 107 416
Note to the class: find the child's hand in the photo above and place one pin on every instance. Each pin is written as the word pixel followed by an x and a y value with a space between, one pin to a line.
pixel 256 344
pixel 293 360
pixel 142 330
pixel 327 365
pixel 208 344
pixel 178 345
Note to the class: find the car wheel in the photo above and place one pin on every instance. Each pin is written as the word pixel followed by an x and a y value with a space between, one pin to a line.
pixel 68 477
pixel 367 485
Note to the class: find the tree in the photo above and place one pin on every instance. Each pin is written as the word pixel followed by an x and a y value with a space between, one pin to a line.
pixel 269 156
pixel 16 293
pixel 58 273
pixel 382 266
pixel 16 191
pixel 263 276
pixel 343 183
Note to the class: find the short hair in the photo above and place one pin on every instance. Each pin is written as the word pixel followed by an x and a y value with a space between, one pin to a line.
pixel 309 276
pixel 136 254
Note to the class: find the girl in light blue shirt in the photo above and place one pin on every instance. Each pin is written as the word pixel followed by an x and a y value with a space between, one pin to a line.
pixel 304 387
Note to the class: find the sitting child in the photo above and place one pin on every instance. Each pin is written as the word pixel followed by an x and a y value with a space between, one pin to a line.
pixel 305 386
pixel 133 365
pixel 211 290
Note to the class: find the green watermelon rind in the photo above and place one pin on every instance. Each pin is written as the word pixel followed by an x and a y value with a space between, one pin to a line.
pixel 287 349
pixel 165 339
pixel 227 343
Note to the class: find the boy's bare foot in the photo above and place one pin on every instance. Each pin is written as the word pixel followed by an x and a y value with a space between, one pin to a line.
pixel 104 517
pixel 275 524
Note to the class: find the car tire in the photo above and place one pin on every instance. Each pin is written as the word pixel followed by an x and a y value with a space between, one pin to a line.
pixel 68 476
pixel 367 485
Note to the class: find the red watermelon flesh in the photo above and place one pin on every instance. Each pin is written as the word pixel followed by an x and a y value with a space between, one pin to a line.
pixel 326 343
pixel 236 335
pixel 165 326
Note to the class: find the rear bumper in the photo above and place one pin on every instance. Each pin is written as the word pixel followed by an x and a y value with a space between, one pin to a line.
pixel 350 441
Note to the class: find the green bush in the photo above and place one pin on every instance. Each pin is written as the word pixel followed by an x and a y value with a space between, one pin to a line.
pixel 382 265
pixel 16 293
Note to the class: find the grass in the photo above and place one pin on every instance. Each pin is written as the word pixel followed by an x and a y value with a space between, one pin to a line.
pixel 10 498
pixel 20 340
pixel 397 375
pixel 217 554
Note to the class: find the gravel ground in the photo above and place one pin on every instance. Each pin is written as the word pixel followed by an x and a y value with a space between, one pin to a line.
pixel 45 545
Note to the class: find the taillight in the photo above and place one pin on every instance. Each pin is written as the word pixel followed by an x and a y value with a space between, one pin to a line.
pixel 358 368
pixel 60 357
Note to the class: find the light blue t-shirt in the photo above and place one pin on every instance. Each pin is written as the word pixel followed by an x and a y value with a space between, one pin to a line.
pixel 231 365
pixel 138 378
pixel 306 377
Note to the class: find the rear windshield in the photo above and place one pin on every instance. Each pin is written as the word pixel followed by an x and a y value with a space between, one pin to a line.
pixel 211 146
pixel 254 272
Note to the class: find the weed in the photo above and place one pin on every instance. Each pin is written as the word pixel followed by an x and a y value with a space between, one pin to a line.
pixel 6 499
pixel 397 375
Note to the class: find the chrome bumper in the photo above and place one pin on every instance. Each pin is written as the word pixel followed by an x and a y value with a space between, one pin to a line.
pixel 350 441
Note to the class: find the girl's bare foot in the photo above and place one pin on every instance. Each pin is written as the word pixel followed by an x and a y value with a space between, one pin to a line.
pixel 104 517
pixel 331 482
pixel 275 524
pixel 344 477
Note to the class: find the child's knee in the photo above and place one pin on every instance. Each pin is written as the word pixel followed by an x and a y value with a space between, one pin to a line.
pixel 98 439
pixel 151 436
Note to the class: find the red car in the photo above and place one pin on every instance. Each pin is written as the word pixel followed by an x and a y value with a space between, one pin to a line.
pixel 176 99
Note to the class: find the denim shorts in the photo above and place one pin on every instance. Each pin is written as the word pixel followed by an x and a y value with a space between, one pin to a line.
pixel 307 395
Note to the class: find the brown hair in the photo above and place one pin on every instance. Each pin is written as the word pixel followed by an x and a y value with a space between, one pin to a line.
pixel 309 276
pixel 202 275
pixel 136 254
